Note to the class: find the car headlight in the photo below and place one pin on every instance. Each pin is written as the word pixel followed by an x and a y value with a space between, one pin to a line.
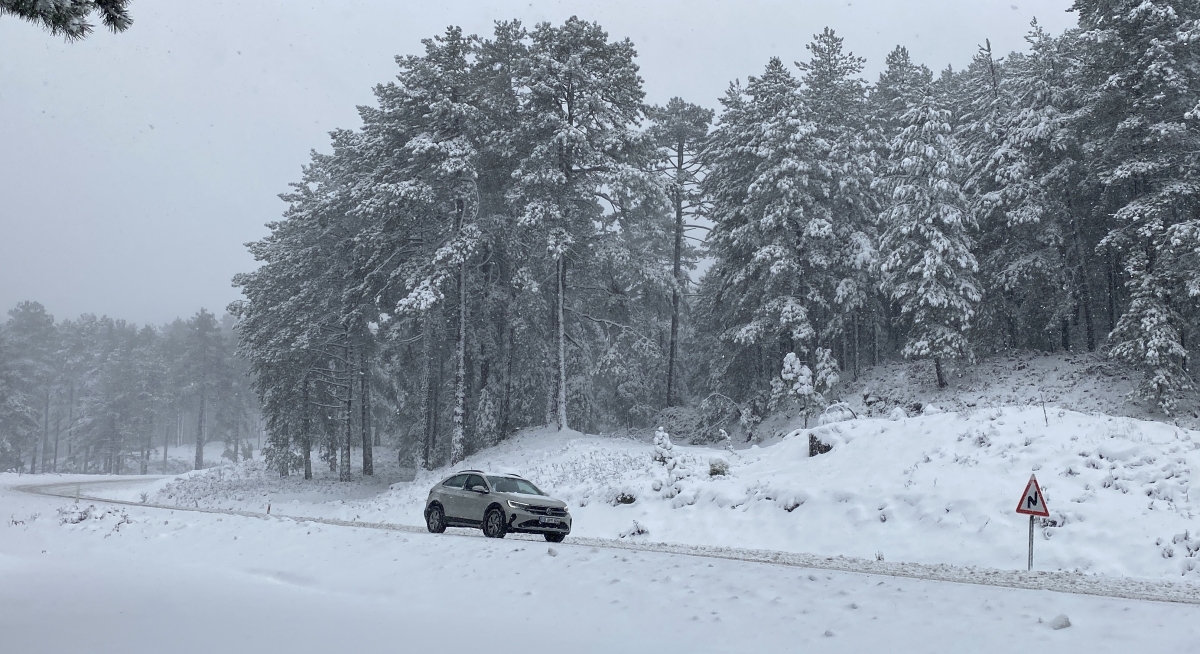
pixel 518 505
pixel 566 509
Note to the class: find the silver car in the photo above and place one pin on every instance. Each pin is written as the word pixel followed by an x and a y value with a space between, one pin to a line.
pixel 499 504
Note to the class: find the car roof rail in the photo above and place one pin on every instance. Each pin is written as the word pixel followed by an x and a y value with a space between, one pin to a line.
pixel 463 471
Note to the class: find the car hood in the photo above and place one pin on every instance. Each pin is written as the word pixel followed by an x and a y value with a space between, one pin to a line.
pixel 534 500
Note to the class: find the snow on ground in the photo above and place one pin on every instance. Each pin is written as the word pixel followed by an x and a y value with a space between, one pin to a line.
pixel 134 579
pixel 937 488
pixel 1078 381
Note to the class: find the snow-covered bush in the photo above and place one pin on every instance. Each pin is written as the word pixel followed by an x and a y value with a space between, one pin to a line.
pixel 663 447
pixel 836 412
pixel 718 467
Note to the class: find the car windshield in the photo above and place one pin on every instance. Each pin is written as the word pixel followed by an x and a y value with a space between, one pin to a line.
pixel 513 485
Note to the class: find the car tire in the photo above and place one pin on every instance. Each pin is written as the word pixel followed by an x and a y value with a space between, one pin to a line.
pixel 435 519
pixel 493 523
pixel 555 538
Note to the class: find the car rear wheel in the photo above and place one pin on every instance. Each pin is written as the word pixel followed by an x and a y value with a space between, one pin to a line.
pixel 493 523
pixel 435 519
pixel 555 538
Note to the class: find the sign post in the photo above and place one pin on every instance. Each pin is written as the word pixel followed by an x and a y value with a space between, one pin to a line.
pixel 1033 504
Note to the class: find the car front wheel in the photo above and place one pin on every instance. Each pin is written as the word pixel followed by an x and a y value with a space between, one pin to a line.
pixel 493 523
pixel 555 538
pixel 435 519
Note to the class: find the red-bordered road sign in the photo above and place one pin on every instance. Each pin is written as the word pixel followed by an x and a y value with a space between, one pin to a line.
pixel 1032 502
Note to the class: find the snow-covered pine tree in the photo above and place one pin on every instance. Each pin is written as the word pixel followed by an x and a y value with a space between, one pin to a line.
pixel 901 83
pixel 70 17
pixel 581 97
pixel 1142 65
pixel 771 287
pixel 925 250
pixel 837 100
pixel 1038 235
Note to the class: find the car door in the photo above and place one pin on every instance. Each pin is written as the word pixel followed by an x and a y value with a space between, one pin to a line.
pixel 475 498
pixel 453 496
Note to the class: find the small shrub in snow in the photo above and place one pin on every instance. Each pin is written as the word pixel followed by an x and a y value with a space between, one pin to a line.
pixel 930 410
pixel 1060 621
pixel 897 414
pixel 623 497
pixel 718 467
pixel 636 530
pixel 815 446
pixel 73 515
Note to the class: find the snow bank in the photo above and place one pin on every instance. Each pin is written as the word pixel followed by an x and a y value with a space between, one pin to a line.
pixel 938 488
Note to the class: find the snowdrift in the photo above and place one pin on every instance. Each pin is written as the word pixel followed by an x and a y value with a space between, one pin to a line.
pixel 937 488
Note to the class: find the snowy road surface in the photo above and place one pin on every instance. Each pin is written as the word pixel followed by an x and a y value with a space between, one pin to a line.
pixel 196 582
pixel 1182 591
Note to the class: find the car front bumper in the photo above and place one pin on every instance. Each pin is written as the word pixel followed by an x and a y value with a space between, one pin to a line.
pixel 528 522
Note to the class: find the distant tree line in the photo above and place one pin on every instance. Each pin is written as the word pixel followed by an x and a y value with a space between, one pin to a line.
pixel 106 396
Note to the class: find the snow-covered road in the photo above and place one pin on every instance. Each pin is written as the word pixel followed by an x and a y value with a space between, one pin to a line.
pixel 201 582
pixel 1065 582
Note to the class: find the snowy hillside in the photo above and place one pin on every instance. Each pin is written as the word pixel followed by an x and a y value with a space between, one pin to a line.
pixel 937 488
pixel 1079 381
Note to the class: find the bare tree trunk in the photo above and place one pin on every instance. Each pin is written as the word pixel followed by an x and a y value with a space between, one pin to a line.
pixel 344 473
pixel 677 273
pixel 200 428
pixel 941 377
pixel 856 345
pixel 562 345
pixel 460 355
pixel 305 434
pixel 71 424
pixel 368 454
pixel 166 442
pixel 57 434
pixel 146 450
pixel 427 404
pixel 33 456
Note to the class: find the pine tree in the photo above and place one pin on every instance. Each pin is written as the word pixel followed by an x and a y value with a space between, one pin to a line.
pixel 679 130
pixel 1143 69
pixel 773 284
pixel 70 17
pixel 837 100
pixel 581 96
pixel 926 259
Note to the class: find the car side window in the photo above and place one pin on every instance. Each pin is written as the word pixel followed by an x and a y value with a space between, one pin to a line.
pixel 455 482
pixel 473 481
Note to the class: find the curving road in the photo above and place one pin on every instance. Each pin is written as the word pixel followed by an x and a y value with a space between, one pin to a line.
pixel 1063 582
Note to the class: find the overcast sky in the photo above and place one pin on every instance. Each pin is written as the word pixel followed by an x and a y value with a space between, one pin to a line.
pixel 133 167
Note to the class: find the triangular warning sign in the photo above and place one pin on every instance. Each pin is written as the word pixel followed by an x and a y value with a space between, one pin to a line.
pixel 1032 502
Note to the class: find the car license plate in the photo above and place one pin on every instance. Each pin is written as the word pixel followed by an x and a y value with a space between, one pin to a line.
pixel 549 521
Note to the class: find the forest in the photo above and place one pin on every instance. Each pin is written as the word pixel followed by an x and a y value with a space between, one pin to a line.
pixel 515 237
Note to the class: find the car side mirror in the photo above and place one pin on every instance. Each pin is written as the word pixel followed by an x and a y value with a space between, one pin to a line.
pixel 482 490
